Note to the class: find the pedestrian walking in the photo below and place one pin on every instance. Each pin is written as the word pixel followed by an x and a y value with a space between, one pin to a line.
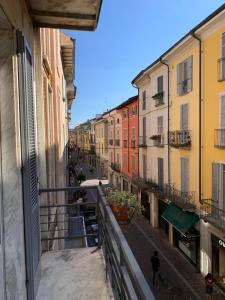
pixel 155 267
pixel 209 286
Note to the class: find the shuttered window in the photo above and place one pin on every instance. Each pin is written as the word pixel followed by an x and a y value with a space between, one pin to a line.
pixel 184 117
pixel 223 45
pixel 160 84
pixel 144 129
pixel 222 121
pixel 184 76
pixel 144 100
pixel 184 174
pixel 144 162
pixel 29 171
pixel 125 133
pixel 133 133
pixel 160 172
pixel 160 124
pixel 215 182
pixel 133 164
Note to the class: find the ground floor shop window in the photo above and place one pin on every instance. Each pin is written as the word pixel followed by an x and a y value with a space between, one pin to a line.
pixel 218 260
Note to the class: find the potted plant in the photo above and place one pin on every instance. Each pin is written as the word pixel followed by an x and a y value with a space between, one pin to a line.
pixel 123 204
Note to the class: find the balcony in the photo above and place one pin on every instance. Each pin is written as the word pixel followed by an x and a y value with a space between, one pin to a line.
pixel 117 142
pixel 142 141
pixel 158 99
pixel 212 213
pixel 111 142
pixel 116 167
pixel 133 144
pixel 81 271
pixel 125 143
pixel 185 200
pixel 221 69
pixel 158 140
pixel 219 138
pixel 180 139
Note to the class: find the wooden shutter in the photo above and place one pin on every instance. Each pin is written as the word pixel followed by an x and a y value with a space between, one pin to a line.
pixel 143 100
pixel 223 45
pixel 184 117
pixel 160 84
pixel 160 124
pixel 180 78
pixel 160 172
pixel 215 182
pixel 184 174
pixel 222 112
pixel 144 166
pixel 133 164
pixel 189 74
pixel 144 129
pixel 29 169
pixel 133 133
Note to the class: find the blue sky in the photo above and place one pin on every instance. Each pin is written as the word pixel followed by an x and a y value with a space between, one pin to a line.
pixel 130 35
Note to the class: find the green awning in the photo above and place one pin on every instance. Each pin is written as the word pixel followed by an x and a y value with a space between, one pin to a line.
pixel 181 220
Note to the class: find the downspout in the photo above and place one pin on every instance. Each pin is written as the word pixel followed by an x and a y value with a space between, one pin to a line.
pixel 200 112
pixel 138 128
pixel 168 112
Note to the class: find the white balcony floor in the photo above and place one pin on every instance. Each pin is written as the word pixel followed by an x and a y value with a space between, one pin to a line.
pixel 75 274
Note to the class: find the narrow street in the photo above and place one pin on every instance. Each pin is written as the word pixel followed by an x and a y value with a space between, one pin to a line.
pixel 181 280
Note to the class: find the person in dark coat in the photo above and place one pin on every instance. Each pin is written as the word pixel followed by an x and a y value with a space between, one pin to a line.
pixel 155 267
pixel 209 286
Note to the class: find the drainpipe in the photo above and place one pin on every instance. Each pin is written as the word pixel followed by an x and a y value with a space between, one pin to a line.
pixel 168 112
pixel 138 128
pixel 200 112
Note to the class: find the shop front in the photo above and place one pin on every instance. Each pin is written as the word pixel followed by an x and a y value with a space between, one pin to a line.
pixel 185 236
pixel 218 260
pixel 163 223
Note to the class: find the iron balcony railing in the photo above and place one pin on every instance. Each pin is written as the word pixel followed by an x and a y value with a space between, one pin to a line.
pixel 213 213
pixel 221 69
pixel 125 143
pixel 158 98
pixel 180 139
pixel 116 167
pixel 142 141
pixel 111 142
pixel 219 138
pixel 158 140
pixel 133 144
pixel 125 275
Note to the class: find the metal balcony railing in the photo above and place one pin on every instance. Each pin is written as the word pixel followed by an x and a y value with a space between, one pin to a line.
pixel 142 141
pixel 125 143
pixel 180 139
pixel 212 213
pixel 116 167
pixel 132 144
pixel 111 142
pixel 125 275
pixel 221 69
pixel 158 140
pixel 158 98
pixel 219 138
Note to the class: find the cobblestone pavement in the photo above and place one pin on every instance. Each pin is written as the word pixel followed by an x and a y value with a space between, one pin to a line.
pixel 180 279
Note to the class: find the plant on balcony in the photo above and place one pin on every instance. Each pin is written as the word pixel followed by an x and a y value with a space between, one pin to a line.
pixel 123 204
pixel 155 137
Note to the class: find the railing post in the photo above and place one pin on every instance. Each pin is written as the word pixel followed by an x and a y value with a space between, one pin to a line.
pixel 99 220
pixel 121 274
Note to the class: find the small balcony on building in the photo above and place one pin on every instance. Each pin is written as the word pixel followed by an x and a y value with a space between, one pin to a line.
pixel 180 139
pixel 219 138
pixel 133 144
pixel 221 69
pixel 125 143
pixel 117 142
pixel 158 140
pixel 116 167
pixel 111 142
pixel 159 99
pixel 213 213
pixel 142 141
pixel 84 252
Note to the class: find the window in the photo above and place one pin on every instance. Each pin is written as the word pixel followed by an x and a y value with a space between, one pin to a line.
pixel 184 117
pixel 218 185
pixel 133 133
pixel 117 158
pixel 125 161
pixel 125 133
pixel 124 113
pixel 184 76
pixel 143 100
pixel 102 149
pixel 222 121
pixel 160 84
pixel 111 122
pixel 222 60
pixel 160 124
pixel 160 172
pixel 133 110
pixel 118 121
pixel 144 129
pixel 184 174
pixel 133 164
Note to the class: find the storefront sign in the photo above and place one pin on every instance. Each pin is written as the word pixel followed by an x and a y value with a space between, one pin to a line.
pixel 218 242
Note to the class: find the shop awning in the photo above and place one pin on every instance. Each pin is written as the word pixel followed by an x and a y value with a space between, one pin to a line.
pixel 181 220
